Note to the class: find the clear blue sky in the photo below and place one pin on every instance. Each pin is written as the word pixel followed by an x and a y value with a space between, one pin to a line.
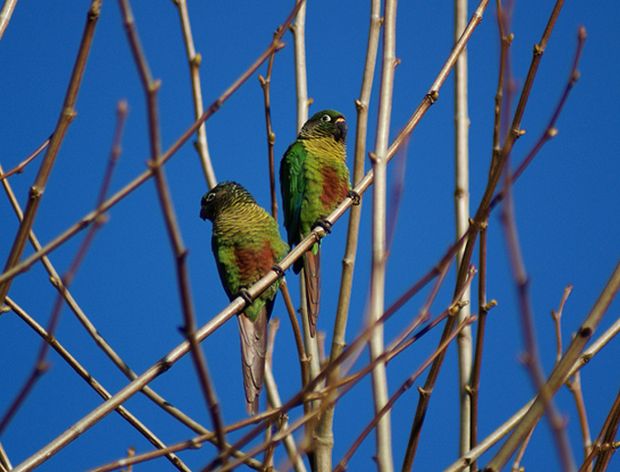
pixel 566 207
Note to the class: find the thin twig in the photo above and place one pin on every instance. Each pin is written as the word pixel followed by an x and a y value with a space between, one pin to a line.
pixel 19 168
pixel 556 315
pixel 194 60
pixel 574 386
pixel 67 114
pixel 265 83
pixel 516 466
pixel 151 88
pixel 299 343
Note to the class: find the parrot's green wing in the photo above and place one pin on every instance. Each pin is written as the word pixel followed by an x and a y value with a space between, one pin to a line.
pixel 293 187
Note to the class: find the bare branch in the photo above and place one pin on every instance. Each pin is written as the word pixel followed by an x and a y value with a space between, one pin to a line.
pixel 19 168
pixel 194 60
pixel 379 248
pixel 5 15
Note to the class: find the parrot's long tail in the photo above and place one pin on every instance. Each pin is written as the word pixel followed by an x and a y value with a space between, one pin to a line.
pixel 312 270
pixel 253 350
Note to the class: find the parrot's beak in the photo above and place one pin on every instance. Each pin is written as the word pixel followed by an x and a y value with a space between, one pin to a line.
pixel 204 214
pixel 341 129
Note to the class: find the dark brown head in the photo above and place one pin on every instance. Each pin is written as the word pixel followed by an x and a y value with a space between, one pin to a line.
pixel 222 197
pixel 323 124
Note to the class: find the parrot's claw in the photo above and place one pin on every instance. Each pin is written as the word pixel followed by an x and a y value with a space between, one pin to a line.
pixel 247 298
pixel 323 223
pixel 355 197
pixel 278 270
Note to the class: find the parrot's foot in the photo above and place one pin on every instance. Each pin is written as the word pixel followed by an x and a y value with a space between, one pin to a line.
pixel 278 270
pixel 247 298
pixel 323 223
pixel 355 197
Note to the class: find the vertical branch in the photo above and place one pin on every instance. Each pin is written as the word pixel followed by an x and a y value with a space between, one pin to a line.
pixel 324 430
pixel 265 83
pixel 301 82
pixel 273 397
pixel 377 294
pixel 483 306
pixel 67 114
pixel 194 65
pixel 299 343
pixel 151 88
pixel 301 78
pixel 461 207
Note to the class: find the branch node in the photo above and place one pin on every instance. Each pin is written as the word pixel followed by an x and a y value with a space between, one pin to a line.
pixel 424 392
pixel 196 60
pixel 359 105
pixel 488 306
pixel 35 192
pixel 69 114
pixel 538 50
pixel 433 96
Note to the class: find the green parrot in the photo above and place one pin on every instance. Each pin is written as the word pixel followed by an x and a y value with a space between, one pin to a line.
pixel 314 179
pixel 246 244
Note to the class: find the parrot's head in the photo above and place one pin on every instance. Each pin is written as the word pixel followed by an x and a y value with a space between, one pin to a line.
pixel 325 123
pixel 222 197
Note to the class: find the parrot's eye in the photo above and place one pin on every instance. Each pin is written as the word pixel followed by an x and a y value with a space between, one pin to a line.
pixel 326 118
pixel 210 197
